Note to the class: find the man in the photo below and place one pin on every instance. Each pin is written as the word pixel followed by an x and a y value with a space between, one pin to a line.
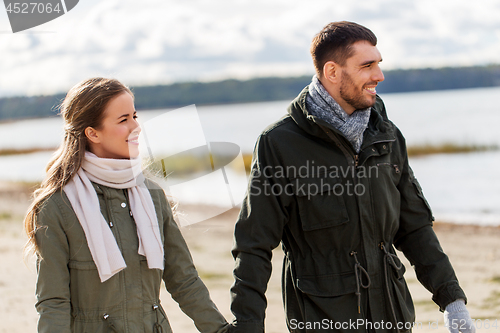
pixel 332 183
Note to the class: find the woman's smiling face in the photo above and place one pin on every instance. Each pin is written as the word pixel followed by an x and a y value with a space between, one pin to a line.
pixel 118 135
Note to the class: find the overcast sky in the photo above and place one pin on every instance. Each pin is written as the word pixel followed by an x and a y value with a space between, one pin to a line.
pixel 162 41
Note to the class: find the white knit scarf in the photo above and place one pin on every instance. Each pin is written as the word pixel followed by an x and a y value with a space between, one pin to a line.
pixel 121 174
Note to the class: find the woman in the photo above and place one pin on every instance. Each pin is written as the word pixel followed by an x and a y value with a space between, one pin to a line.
pixel 104 236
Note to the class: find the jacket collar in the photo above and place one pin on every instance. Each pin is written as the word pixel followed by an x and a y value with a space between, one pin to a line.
pixel 380 128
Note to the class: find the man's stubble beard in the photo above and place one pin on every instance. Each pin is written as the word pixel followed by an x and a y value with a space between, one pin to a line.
pixel 354 98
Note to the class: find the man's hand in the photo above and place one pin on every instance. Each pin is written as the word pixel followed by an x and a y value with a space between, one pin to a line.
pixel 457 318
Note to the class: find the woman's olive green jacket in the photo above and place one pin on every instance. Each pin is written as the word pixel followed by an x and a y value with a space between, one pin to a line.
pixel 70 296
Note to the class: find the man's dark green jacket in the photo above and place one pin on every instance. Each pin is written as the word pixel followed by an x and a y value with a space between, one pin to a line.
pixel 338 215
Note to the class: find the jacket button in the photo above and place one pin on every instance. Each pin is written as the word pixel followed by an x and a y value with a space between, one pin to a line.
pixel 123 205
pixel 105 316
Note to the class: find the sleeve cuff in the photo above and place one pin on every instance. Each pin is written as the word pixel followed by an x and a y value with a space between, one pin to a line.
pixel 246 327
pixel 448 294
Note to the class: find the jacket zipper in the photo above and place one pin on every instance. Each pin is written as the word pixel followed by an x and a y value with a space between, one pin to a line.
pixel 118 242
pixel 394 166
pixel 354 156
pixel 348 152
pixel 346 149
pixel 381 141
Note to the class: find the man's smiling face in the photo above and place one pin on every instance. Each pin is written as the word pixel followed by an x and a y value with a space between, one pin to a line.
pixel 359 77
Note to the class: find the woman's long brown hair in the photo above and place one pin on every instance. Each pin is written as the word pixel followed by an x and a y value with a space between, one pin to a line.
pixel 83 106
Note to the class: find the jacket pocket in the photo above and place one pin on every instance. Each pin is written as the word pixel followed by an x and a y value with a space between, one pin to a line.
pixel 420 194
pixel 320 202
pixel 328 285
pixel 83 265
pixel 151 281
pixel 390 167
pixel 331 297
pixel 406 313
pixel 87 291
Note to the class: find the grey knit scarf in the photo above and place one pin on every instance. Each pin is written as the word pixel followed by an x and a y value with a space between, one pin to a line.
pixel 321 104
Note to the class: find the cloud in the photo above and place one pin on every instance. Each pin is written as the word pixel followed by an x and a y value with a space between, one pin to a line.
pixel 160 41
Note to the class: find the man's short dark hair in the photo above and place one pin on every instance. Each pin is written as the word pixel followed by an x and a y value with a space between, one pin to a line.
pixel 334 43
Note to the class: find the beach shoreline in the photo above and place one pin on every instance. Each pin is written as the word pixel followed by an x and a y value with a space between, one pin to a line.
pixel 473 250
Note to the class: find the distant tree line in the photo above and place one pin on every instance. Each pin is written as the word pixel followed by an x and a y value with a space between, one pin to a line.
pixel 261 89
pixel 440 79
pixel 29 107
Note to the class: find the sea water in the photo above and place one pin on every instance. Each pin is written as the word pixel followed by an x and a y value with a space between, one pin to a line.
pixel 461 188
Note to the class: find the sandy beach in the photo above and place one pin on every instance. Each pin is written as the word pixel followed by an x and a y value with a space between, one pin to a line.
pixel 473 250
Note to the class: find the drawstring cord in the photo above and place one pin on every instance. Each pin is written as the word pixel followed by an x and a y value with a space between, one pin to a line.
pixel 389 258
pixel 157 327
pixel 111 325
pixel 359 280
